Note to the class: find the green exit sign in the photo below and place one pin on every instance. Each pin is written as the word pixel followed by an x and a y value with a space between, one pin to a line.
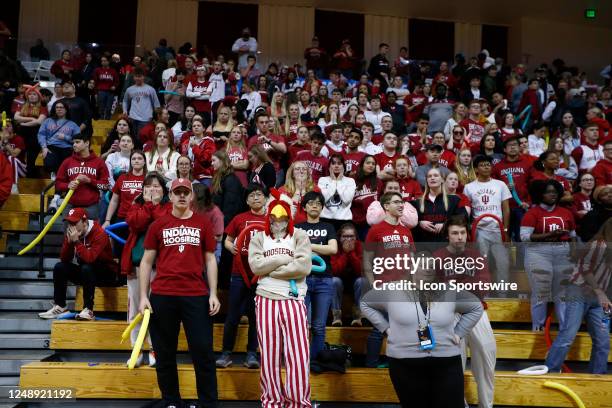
pixel 590 13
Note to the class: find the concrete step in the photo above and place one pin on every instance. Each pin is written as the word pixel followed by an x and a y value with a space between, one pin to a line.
pixel 26 262
pixel 11 361
pixel 49 250
pixel 13 290
pixel 51 239
pixel 23 322
pixel 34 305
pixel 35 341
pixel 25 275
pixel 58 226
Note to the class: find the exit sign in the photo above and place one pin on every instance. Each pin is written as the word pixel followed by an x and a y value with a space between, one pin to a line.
pixel 590 13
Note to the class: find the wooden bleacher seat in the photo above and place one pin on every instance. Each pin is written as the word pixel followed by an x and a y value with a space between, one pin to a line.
pixel 34 186
pixel 23 203
pixel 14 220
pixel 105 335
pixel 499 310
pixel 115 381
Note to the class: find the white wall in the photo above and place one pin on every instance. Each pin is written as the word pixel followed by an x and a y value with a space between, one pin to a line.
pixel 391 30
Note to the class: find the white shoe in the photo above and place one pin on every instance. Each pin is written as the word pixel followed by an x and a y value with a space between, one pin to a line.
pixel 53 313
pixel 152 359
pixel 52 176
pixel 54 204
pixel 15 189
pixel 138 361
pixel 85 314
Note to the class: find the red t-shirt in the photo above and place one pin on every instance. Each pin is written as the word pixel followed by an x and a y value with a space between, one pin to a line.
pixel 582 202
pixel 351 162
pixel 295 148
pixel 547 221
pixel 412 99
pixel 476 129
pixel 447 159
pixel 385 161
pixel 410 188
pixel 538 175
pixel 387 240
pixel 127 187
pixel 317 165
pixel 364 196
pixel 17 142
pixel 520 171
pixel 274 155
pixel 236 225
pixel 235 154
pixel 180 246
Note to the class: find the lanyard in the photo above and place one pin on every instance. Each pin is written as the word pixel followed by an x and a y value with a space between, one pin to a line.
pixel 427 315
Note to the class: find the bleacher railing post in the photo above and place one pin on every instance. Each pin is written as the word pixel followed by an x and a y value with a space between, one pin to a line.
pixel 41 225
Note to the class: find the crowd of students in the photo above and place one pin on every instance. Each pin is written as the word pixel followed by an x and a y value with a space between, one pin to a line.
pixel 407 146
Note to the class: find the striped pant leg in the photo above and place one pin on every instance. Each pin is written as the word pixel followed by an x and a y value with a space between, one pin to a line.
pixel 297 353
pixel 270 342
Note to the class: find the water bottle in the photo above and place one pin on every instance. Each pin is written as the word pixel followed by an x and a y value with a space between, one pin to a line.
pixel 606 318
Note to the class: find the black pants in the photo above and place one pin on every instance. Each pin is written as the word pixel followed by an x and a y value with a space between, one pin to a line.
pixel 87 275
pixel 30 134
pixel 55 157
pixel 430 382
pixel 168 313
pixel 241 298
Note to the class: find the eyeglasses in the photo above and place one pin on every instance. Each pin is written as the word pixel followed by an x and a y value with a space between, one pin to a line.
pixel 396 202
pixel 458 133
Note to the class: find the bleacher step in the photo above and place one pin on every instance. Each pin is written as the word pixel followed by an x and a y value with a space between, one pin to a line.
pixel 50 239
pixel 30 290
pixel 27 263
pixel 24 341
pixel 34 305
pixel 58 225
pixel 23 322
pixel 11 361
pixel 25 275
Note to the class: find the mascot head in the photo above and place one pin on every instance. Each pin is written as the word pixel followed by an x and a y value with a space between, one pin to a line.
pixel 279 221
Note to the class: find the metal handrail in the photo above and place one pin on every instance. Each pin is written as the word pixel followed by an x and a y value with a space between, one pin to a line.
pixel 41 225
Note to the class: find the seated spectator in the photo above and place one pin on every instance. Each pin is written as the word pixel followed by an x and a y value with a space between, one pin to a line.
pixel 583 196
pixel 313 158
pixel 351 153
pixel 241 293
pixel 183 125
pixel 589 283
pixel 298 183
pixel 14 148
pixel 226 188
pixel 86 259
pixel 602 171
pixel 459 113
pixel 55 137
pixel 473 124
pixel 338 192
pixel 567 165
pixel 118 163
pixel 452 184
pixel 111 145
pixel 509 127
pixel 346 267
pixel 86 174
pixel 292 122
pixel 602 210
pixel 547 265
pixel 376 213
pixel 29 118
pixel 162 158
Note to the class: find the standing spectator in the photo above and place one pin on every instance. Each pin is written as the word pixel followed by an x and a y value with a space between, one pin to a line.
pixel 139 101
pixel 473 125
pixel 590 151
pixel 6 179
pixel 440 110
pixel 199 90
pixel 118 162
pixel 29 118
pixel 532 97
pixel 366 192
pixel 179 293
pixel 433 154
pixel 567 165
pixel 244 46
pixel 344 59
pixel 602 171
pixel 162 158
pixel 127 188
pixel 316 58
pixel 121 128
pixel 376 213
pixel 320 292
pixel 492 197
pixel 65 67
pixel 86 259
pixel 338 192
pixel 13 147
pixel 175 102
pixel 238 154
pixel 107 80
pixel 78 108
pixel 38 52
pixel 582 196
pixel 379 64
pixel 459 113
pixel 226 188
pixel 547 265
pixel 544 168
pixel 183 125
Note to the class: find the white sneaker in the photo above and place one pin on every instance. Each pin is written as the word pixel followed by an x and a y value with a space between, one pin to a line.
pixel 138 361
pixel 54 204
pixel 152 359
pixel 52 176
pixel 15 189
pixel 85 314
pixel 53 313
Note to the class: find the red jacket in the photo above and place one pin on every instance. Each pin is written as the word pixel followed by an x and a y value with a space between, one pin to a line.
pixel 342 262
pixel 602 173
pixel 202 153
pixel 105 78
pixel 530 97
pixel 138 219
pixel 6 179
pixel 95 247
pixel 86 194
pixel 58 66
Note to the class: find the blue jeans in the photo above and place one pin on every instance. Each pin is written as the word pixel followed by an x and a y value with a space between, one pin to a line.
pixel 374 345
pixel 240 298
pixel 339 289
pixel 318 301
pixel 105 103
pixel 580 307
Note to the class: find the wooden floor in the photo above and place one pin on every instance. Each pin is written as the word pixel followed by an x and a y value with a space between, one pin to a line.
pixel 115 381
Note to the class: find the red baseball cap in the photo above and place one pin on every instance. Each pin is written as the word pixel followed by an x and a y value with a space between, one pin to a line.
pixel 181 182
pixel 75 215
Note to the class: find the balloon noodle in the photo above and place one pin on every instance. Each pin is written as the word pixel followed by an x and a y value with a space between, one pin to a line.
pixel 513 190
pixel 42 233
pixel 130 327
pixel 565 389
pixel 140 339
pixel 109 230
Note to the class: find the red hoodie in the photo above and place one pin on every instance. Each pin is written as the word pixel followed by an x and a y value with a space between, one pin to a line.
pixel 6 179
pixel 602 172
pixel 105 78
pixel 94 247
pixel 86 194
pixel 343 262
pixel 202 154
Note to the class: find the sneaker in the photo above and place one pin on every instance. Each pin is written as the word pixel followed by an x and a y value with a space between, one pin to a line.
pixel 357 322
pixel 337 318
pixel 244 320
pixel 152 359
pixel 15 189
pixel 251 360
pixel 85 314
pixel 225 360
pixel 52 176
pixel 54 204
pixel 53 313
pixel 138 361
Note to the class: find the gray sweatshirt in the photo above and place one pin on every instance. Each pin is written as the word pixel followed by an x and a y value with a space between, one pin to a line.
pixel 139 102
pixel 402 322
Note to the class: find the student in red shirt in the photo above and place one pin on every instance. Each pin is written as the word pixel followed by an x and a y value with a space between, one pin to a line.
pixel 314 159
pixel 106 80
pixel 14 148
pixel 582 197
pixel 385 160
pixel 301 144
pixel 86 259
pixel 274 145
pixel 241 292
pixel 544 169
pixel 603 169
pixel 473 125
pixel 238 154
pixel 352 155
pixel 182 246
pixel 404 174
pixel 415 103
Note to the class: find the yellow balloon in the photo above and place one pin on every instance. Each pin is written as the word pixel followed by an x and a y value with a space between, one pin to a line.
pixel 141 336
pixel 130 327
pixel 49 224
pixel 566 390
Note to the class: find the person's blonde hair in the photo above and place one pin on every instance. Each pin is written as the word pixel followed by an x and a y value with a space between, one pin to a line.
pixel 218 127
pixel 427 190
pixel 274 106
pixel 286 126
pixel 289 182
pixel 471 174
